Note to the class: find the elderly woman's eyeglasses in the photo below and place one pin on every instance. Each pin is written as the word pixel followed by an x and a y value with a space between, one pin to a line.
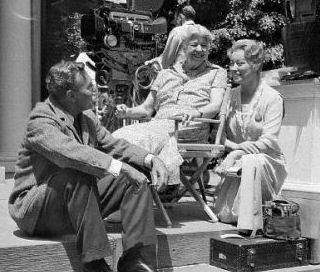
pixel 203 46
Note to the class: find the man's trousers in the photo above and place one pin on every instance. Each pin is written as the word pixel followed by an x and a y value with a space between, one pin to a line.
pixel 76 203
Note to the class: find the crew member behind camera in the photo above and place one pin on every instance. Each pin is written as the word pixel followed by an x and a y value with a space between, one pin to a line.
pixel 191 89
pixel 254 119
pixel 172 53
pixel 71 173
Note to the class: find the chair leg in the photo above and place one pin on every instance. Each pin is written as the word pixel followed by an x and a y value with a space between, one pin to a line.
pixel 159 204
pixel 195 177
pixel 198 198
pixel 200 180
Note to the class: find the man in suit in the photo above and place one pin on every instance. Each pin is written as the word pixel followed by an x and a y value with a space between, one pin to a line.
pixel 71 173
pixel 172 53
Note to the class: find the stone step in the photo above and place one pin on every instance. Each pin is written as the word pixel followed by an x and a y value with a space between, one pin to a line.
pixel 186 243
pixel 193 268
pixel 184 247
pixel 209 268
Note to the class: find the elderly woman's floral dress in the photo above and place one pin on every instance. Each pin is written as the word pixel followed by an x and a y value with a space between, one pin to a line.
pixel 176 93
pixel 240 201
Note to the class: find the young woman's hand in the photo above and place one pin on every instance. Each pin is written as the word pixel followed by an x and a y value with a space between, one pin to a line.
pixel 231 159
pixel 249 147
pixel 226 163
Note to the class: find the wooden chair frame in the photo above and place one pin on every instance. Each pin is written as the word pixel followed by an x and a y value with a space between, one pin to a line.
pixel 206 152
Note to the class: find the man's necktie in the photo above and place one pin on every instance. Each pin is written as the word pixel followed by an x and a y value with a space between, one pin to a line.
pixel 77 125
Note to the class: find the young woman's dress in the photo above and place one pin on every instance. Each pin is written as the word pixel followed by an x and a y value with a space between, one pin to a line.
pixel 240 201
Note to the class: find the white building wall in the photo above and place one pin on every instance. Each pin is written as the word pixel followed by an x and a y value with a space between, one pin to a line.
pixel 300 142
pixel 15 76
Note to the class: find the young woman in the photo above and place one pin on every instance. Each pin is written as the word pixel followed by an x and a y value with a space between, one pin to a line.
pixel 253 124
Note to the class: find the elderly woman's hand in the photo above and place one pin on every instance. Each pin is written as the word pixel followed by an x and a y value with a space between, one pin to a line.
pixel 187 117
pixel 121 111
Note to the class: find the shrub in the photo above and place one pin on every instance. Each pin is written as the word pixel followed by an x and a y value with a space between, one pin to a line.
pixel 253 19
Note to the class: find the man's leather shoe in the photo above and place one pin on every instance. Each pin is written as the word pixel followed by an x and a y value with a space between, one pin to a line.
pixel 96 266
pixel 132 261
pixel 114 218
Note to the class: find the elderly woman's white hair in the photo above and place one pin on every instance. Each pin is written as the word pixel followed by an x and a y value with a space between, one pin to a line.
pixel 198 30
pixel 253 51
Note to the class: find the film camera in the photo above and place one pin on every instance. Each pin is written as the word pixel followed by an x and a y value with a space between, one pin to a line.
pixel 121 37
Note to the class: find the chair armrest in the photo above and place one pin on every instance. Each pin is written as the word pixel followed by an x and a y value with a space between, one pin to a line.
pixel 204 120
pixel 137 118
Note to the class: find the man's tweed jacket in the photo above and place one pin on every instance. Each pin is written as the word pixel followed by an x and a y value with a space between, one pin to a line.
pixel 50 144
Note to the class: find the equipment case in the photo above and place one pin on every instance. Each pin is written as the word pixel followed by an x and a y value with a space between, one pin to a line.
pixel 257 254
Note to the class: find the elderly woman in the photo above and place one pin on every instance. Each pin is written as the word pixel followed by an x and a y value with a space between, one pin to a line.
pixel 253 124
pixel 192 88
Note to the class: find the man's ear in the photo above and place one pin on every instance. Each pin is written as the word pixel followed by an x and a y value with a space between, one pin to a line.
pixel 70 95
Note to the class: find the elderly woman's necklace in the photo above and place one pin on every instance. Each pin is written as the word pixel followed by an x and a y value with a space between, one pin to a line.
pixel 245 117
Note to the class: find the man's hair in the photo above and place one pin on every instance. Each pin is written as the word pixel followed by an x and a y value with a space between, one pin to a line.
pixel 64 76
pixel 253 51
pixel 188 12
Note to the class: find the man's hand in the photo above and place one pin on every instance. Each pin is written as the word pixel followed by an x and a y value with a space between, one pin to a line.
pixel 136 178
pixel 159 174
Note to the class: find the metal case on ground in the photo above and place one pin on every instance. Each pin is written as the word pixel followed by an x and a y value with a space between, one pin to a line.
pixel 258 254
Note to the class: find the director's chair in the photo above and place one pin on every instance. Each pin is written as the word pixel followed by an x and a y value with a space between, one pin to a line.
pixel 205 154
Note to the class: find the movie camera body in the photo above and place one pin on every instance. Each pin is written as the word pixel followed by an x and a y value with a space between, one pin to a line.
pixel 121 38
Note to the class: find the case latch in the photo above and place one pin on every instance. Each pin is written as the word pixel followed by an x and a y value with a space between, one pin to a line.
pixel 251 257
pixel 299 252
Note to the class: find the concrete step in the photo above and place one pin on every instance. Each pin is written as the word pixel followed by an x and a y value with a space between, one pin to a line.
pixel 209 268
pixel 184 247
pixel 193 268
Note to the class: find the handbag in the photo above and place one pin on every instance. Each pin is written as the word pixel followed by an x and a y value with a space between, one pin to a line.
pixel 281 219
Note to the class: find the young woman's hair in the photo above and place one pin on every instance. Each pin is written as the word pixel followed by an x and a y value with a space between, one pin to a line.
pixel 253 51
pixel 64 76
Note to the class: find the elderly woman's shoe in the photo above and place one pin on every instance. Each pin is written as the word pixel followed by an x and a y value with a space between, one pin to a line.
pixel 96 266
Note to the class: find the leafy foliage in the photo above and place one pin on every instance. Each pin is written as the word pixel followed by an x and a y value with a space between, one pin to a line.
pixel 72 43
pixel 254 19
